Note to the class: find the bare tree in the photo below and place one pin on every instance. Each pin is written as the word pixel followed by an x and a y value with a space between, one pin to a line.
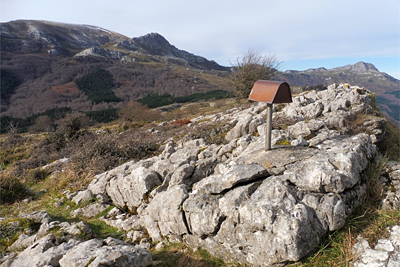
pixel 42 124
pixel 251 67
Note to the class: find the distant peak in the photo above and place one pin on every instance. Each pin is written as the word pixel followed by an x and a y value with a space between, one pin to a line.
pixel 152 38
pixel 358 67
pixel 362 66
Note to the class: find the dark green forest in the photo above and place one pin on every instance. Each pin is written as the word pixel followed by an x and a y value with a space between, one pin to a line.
pixel 155 100
pixel 8 83
pixel 97 86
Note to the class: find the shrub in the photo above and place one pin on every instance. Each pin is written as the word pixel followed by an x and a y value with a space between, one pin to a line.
pixel 251 67
pixel 11 188
pixel 42 124
pixel 69 129
pixel 101 153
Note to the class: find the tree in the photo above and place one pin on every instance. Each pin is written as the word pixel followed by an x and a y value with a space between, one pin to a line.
pixel 42 124
pixel 251 67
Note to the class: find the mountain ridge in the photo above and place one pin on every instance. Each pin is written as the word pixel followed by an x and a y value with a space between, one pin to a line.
pixel 44 55
pixel 358 67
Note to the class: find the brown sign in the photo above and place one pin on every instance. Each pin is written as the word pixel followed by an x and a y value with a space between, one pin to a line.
pixel 271 92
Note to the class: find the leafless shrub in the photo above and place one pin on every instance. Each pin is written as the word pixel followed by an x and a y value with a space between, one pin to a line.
pixel 251 67
pixel 11 188
pixel 101 153
pixel 42 124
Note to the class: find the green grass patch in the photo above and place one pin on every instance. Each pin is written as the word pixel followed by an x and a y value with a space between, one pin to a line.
pixel 103 213
pixel 10 230
pixel 179 255
pixel 283 142
pixel 103 230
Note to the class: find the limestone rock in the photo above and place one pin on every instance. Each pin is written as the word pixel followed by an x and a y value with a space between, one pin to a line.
pixel 300 141
pixel 385 253
pixel 164 216
pixel 231 198
pixel 82 196
pixel 240 129
pixel 203 214
pixel 98 253
pixel 181 175
pixel 89 211
pixel 97 51
pixel 129 190
pixel 236 175
pixel 44 252
pixel 38 216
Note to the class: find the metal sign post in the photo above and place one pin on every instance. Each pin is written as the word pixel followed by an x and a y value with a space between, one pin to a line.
pixel 270 92
pixel 268 128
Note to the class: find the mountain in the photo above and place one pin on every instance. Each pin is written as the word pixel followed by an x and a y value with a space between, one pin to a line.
pixel 360 73
pixel 54 38
pixel 42 60
pixel 386 87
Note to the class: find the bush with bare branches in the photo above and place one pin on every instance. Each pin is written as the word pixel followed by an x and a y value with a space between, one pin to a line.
pixel 251 67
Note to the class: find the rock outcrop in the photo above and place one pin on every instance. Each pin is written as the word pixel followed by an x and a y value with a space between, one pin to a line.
pixel 45 249
pixel 385 253
pixel 250 205
pixel 237 200
pixel 97 51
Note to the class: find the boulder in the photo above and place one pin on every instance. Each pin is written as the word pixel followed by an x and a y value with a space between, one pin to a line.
pixel 241 128
pixel 108 252
pixel 128 191
pixel 38 216
pixel 82 196
pixel 44 252
pixel 90 211
pixel 164 216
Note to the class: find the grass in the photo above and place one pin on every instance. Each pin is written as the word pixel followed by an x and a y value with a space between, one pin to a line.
pixel 10 230
pixel 102 230
pixel 180 255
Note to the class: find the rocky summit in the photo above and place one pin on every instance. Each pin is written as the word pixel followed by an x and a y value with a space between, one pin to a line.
pixel 236 200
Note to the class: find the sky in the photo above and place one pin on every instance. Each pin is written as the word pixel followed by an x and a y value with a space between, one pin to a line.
pixel 301 34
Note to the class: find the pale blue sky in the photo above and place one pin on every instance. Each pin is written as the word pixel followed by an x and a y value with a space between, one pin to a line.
pixel 301 33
